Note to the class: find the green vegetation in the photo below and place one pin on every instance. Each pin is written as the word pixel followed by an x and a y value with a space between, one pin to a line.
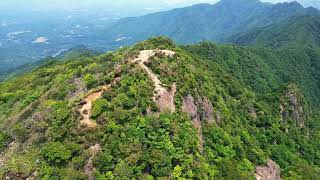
pixel 225 21
pixel 39 117
pixel 297 32
pixel 265 70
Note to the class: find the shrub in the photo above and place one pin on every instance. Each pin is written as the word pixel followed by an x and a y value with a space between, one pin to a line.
pixel 56 153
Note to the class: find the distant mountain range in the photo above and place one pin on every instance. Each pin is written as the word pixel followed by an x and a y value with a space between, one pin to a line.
pixel 309 3
pixel 215 22
pixel 300 31
pixel 228 21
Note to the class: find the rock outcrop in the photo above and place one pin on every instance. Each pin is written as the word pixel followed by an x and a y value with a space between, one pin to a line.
pixel 293 106
pixel 165 99
pixel 191 108
pixel 269 172
pixel 207 110
pixel 200 110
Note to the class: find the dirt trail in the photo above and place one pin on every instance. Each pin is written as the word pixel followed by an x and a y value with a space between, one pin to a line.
pixel 163 97
pixel 85 110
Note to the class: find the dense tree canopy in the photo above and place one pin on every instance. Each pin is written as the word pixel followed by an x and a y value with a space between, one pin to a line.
pixel 40 119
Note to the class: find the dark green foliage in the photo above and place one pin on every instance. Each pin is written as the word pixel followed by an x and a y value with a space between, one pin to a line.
pixel 3 140
pixel 266 70
pixel 297 32
pixel 245 128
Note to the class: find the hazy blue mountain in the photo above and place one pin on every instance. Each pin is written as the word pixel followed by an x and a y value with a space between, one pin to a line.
pixel 73 53
pixel 26 37
pixel 308 3
pixel 26 40
pixel 206 22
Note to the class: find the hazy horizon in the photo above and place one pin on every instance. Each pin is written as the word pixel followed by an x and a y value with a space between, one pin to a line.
pixel 58 5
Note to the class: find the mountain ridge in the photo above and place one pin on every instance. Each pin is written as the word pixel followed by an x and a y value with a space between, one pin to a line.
pixel 207 22
pixel 299 31
pixel 160 110
pixel 217 122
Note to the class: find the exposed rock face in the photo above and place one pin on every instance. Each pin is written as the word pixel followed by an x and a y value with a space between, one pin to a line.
pixel 200 110
pixel 191 108
pixel 14 176
pixel 293 106
pixel 269 172
pixel 80 87
pixel 253 113
pixel 117 79
pixel 207 110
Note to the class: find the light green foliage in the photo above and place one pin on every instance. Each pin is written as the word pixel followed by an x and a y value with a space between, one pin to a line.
pixel 56 153
pixel 99 106
pixel 90 80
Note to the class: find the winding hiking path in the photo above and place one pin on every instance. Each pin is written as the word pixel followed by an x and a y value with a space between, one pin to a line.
pixel 163 97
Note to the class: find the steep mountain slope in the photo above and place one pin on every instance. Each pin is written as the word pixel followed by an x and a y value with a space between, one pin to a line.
pixel 265 70
pixel 298 32
pixel 152 110
pixel 206 22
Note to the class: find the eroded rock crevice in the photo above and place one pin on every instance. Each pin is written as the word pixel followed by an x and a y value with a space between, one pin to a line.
pixel 199 111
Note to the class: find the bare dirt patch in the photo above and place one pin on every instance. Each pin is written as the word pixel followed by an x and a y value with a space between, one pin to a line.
pixel 85 110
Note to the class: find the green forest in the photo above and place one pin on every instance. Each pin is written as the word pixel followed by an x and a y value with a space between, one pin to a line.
pixel 250 105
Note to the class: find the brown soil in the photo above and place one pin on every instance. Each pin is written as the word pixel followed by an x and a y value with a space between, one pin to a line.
pixel 85 110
